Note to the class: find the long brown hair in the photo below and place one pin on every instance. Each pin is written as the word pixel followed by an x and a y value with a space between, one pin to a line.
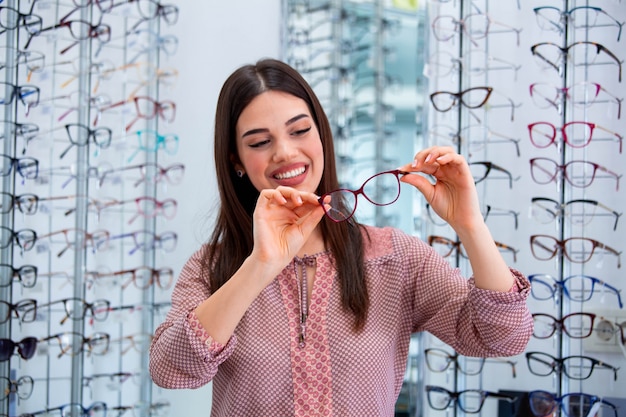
pixel 231 241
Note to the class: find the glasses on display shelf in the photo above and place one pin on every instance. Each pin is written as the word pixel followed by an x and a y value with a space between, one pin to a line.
pixel 25 274
pixel 439 360
pixel 149 207
pixel 11 58
pixel 576 134
pixel 581 17
pixel 472 98
pixel 80 30
pixel 582 53
pixel 25 203
pixel 543 403
pixel 27 94
pixel 381 189
pixel 574 367
pixel 26 167
pixel 477 137
pixel 139 342
pixel 579 212
pixel 96 344
pixel 575 325
pixel 76 100
pixel 104 6
pixel 469 401
pixel 578 288
pixel 156 409
pixel 26 348
pixel 11 19
pixel 577 173
pixel 148 108
pixel 80 135
pixel 146 42
pixel 150 173
pixel 476 63
pixel 112 380
pixel 151 9
pixel 445 247
pixel 25 131
pixel 480 171
pixel 97 71
pixel 22 387
pixel 24 310
pixel 25 238
pixel 582 94
pixel 75 238
pixel 475 26
pixel 145 240
pixel 575 249
pixel 78 309
pixel 97 409
pixel 151 141
pixel 143 277
pixel 486 211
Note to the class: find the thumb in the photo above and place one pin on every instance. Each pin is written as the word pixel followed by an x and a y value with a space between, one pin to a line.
pixel 420 182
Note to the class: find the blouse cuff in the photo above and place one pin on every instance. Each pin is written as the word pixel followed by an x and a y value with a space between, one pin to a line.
pixel 194 324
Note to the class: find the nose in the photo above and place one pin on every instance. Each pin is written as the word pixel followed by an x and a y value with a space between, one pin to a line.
pixel 284 149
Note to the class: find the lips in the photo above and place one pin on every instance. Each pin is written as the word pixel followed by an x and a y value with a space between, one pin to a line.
pixel 291 176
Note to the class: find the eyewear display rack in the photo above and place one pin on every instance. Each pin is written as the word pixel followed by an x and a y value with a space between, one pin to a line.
pixel 363 60
pixel 81 223
pixel 531 95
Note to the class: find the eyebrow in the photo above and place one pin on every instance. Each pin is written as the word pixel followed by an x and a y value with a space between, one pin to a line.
pixel 264 130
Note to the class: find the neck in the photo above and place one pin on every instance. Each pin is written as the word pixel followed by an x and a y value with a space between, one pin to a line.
pixel 315 244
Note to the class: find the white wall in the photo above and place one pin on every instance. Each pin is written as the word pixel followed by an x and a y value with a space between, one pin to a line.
pixel 215 37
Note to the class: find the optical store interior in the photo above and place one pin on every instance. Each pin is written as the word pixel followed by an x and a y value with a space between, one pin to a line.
pixel 108 182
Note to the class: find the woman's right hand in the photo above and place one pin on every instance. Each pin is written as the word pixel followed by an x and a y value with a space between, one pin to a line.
pixel 284 219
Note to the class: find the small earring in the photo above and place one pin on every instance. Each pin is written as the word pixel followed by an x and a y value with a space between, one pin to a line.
pixel 240 173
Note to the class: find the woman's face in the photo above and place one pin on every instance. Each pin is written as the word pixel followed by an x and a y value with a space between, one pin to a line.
pixel 279 144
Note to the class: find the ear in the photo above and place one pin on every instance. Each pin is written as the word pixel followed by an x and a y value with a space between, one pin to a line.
pixel 237 166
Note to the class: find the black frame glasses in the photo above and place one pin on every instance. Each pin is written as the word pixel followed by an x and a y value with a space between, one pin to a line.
pixel 340 205
pixel 575 325
pixel 439 360
pixel 26 348
pixel 544 403
pixel 25 274
pixel 469 401
pixel 472 98
pixel 577 367
pixel 481 169
pixel 445 247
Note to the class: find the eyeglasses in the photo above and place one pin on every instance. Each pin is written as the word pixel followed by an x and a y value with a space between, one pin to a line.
pixel 445 246
pixel 25 347
pixel 472 98
pixel 575 325
pixel 578 173
pixel 97 409
pixel 150 9
pixel 80 135
pixel 73 237
pixel 113 381
pixel 27 167
pixel 34 61
pixel 25 274
pixel 22 387
pixel 576 134
pixel 97 343
pixel 143 277
pixel 151 141
pixel 145 41
pixel 480 171
pixel 475 63
pixel 12 19
pixel 139 342
pixel 105 6
pixel 157 409
pixel 580 17
pixel 469 401
pixel 575 367
pixel 487 211
pixel 26 131
pixel 78 309
pixel 26 203
pixel 543 403
pixel 582 94
pixel 149 207
pixel 476 26
pixel 145 240
pixel 148 108
pixel 585 54
pixel 80 30
pixel 380 189
pixel 150 173
pixel 438 360
pixel 575 249
pixel 25 310
pixel 576 287
pixel 27 94
pixel 580 211
pixel 24 238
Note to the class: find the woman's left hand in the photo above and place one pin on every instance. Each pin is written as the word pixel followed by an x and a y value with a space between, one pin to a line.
pixel 453 196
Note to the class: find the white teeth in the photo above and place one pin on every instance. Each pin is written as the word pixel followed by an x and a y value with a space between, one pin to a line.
pixel 290 174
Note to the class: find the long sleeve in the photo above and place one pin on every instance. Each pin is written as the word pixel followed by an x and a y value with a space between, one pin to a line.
pixel 180 356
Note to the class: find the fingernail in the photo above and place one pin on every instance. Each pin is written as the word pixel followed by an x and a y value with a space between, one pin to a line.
pixel 428 158
pixel 414 164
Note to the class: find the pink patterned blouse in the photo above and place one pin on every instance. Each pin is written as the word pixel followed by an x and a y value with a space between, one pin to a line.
pixel 263 370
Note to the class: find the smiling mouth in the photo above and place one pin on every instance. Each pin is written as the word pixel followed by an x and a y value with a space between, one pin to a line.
pixel 290 174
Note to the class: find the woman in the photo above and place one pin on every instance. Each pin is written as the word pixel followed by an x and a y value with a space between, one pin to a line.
pixel 291 313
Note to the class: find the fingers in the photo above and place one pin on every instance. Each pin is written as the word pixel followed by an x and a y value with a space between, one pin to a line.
pixel 429 160
pixel 288 196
